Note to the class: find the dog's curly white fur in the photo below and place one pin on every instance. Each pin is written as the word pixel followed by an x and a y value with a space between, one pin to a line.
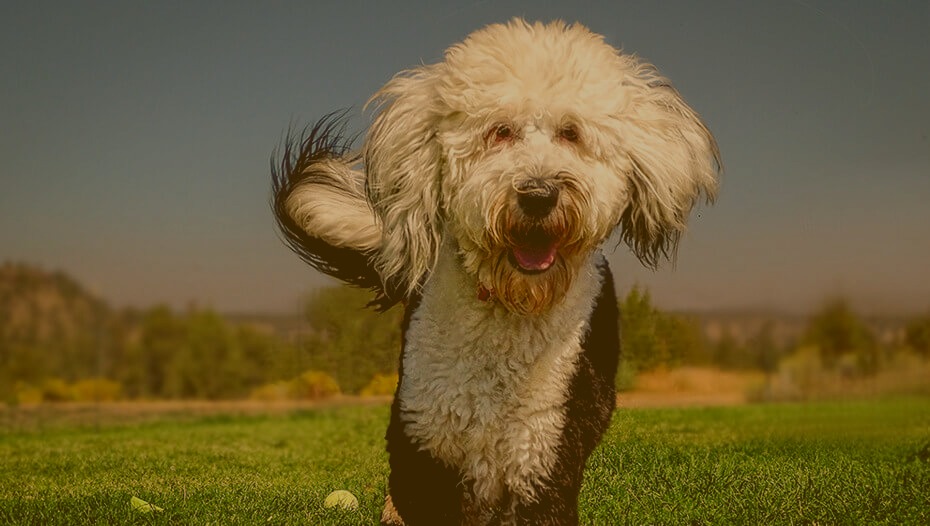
pixel 485 188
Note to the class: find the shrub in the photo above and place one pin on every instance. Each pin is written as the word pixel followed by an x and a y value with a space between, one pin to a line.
pixel 380 385
pixel 96 390
pixel 56 390
pixel 313 385
pixel 838 331
pixel 273 392
pixel 917 335
pixel 25 394
pixel 799 375
pixel 626 376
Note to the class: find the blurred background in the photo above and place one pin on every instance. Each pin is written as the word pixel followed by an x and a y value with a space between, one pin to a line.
pixel 139 261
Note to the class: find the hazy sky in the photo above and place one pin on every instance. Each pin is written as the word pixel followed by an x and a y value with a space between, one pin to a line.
pixel 135 139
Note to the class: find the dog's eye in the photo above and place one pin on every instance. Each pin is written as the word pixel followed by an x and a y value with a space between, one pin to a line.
pixel 501 133
pixel 569 133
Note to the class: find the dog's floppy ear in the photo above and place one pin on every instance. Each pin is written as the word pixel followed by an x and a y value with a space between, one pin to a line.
pixel 403 163
pixel 674 161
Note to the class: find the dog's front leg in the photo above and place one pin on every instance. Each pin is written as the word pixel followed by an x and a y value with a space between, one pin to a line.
pixel 422 490
pixel 556 503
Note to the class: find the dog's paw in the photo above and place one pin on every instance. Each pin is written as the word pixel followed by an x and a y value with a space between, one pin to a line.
pixel 389 516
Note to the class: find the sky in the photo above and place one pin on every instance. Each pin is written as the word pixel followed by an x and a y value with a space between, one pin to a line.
pixel 135 140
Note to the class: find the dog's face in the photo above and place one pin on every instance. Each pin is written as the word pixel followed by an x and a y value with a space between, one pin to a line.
pixel 526 199
pixel 523 151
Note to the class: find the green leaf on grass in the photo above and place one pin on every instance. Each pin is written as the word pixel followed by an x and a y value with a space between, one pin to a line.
pixel 143 507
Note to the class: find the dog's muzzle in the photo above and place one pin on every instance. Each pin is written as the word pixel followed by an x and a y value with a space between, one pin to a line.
pixel 535 247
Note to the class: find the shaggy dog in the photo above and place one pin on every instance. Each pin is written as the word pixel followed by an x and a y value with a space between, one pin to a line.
pixel 481 198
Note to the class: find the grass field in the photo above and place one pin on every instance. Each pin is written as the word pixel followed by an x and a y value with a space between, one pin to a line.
pixel 865 462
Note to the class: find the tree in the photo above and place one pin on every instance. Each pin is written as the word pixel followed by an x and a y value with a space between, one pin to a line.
pixel 728 353
pixel 55 334
pixel 837 331
pixel 917 335
pixel 639 332
pixel 161 336
pixel 351 342
pixel 763 350
pixel 650 339
pixel 684 339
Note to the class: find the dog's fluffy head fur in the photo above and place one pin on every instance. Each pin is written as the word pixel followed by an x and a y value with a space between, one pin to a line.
pixel 522 152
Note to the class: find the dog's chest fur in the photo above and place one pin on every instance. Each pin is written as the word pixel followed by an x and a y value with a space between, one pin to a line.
pixel 483 390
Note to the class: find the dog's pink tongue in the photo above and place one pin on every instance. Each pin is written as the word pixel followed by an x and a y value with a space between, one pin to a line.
pixel 535 257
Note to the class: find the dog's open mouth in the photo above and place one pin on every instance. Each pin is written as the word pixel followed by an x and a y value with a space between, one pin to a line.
pixel 534 251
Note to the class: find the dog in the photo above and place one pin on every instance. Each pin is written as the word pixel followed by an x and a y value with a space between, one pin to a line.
pixel 481 199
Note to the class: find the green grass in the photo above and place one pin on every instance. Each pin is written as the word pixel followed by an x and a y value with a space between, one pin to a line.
pixel 827 463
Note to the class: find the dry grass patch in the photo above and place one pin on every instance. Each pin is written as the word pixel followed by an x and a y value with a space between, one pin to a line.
pixel 690 386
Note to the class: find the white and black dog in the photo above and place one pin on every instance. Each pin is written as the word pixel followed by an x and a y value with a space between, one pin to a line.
pixel 485 188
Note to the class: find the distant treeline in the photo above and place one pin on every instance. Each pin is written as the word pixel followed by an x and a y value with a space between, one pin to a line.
pixel 59 343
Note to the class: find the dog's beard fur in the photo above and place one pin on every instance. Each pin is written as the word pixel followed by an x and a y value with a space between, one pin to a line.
pixel 525 293
pixel 491 257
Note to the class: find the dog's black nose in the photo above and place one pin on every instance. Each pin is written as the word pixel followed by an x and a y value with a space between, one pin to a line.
pixel 537 197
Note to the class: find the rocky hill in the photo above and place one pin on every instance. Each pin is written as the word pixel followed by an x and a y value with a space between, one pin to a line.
pixel 41 307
